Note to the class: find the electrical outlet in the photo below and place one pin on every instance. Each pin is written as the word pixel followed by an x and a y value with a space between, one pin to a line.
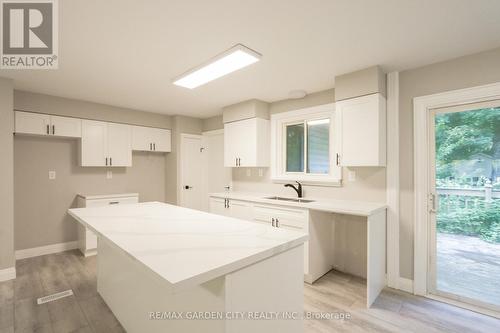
pixel 261 173
pixel 52 175
pixel 249 172
pixel 109 174
pixel 351 175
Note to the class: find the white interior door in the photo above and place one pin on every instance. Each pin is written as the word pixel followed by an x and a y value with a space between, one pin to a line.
pixel 216 177
pixel 191 171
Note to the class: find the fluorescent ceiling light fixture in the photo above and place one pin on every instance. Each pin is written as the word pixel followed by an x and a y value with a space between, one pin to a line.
pixel 235 58
pixel 318 122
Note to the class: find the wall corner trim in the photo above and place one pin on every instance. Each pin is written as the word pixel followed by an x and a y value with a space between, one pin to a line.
pixel 7 274
pixel 48 249
pixel 392 180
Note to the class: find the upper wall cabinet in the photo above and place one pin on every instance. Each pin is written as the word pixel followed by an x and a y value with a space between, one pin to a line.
pixel 106 144
pixel 43 124
pixel 362 124
pixel 151 139
pixel 246 143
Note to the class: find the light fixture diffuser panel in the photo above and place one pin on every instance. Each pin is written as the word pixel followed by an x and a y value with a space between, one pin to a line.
pixel 232 60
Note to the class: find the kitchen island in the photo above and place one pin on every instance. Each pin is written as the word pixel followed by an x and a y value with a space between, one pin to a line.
pixel 167 268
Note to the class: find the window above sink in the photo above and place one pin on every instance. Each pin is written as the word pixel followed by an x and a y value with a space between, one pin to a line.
pixel 304 146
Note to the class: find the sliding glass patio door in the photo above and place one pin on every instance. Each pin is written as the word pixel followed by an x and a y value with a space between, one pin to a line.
pixel 464 205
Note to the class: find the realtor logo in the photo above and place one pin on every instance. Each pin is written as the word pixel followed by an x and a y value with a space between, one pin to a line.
pixel 29 34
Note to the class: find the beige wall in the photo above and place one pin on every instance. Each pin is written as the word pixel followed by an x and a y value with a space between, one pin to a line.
pixel 369 184
pixel 212 123
pixel 359 83
pixel 41 204
pixel 468 71
pixel 180 124
pixel 28 101
pixel 6 174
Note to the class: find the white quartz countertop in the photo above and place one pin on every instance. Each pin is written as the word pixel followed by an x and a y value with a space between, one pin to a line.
pixel 360 208
pixel 185 247
pixel 107 196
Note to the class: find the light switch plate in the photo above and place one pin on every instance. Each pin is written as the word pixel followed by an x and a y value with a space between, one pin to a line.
pixel 52 175
pixel 249 172
pixel 109 174
pixel 351 175
pixel 261 173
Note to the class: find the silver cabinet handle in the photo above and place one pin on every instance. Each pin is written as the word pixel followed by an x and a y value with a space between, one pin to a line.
pixel 111 161
pixel 53 129
pixel 154 146
pixel 272 221
pixel 150 146
pixel 114 202
pixel 277 223
pixel 236 161
pixel 227 203
pixel 48 129
pixel 338 159
pixel 106 161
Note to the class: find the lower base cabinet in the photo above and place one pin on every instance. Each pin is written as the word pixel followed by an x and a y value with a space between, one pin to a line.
pixel 87 240
pixel 317 256
pixel 231 208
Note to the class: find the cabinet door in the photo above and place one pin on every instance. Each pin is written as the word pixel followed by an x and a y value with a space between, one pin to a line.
pixel 120 145
pixel 218 206
pixel 32 123
pixel 241 210
pixel 66 126
pixel 246 147
pixel 142 138
pixel 162 140
pixel 363 131
pixel 231 144
pixel 94 146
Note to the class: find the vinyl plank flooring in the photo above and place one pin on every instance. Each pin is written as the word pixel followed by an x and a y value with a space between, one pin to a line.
pixel 29 315
pixel 336 293
pixel 6 293
pixel 28 286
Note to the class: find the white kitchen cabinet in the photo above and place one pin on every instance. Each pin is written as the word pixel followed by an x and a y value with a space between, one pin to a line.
pixel 119 145
pixel 233 208
pixel 87 240
pixel 219 206
pixel 362 128
pixel 286 218
pixel 151 139
pixel 47 125
pixel 246 143
pixel 106 144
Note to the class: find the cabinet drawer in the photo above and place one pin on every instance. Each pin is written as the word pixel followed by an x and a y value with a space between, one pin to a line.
pixel 112 201
pixel 289 217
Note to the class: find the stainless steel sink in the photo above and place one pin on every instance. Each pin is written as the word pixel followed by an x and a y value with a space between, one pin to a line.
pixel 289 199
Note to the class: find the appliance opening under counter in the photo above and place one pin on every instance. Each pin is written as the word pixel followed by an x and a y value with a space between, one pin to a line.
pixel 87 240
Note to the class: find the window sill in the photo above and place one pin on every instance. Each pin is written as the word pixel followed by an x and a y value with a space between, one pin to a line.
pixel 314 181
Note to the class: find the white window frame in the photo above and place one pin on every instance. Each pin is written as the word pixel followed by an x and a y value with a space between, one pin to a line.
pixel 278 146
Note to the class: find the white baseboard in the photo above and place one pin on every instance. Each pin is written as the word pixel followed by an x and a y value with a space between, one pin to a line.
pixel 7 274
pixel 405 285
pixel 48 249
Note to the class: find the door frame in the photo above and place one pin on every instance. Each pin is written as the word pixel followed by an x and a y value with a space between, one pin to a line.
pixel 204 158
pixel 180 174
pixel 422 107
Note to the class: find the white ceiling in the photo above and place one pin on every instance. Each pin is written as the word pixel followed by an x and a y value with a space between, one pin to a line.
pixel 125 52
